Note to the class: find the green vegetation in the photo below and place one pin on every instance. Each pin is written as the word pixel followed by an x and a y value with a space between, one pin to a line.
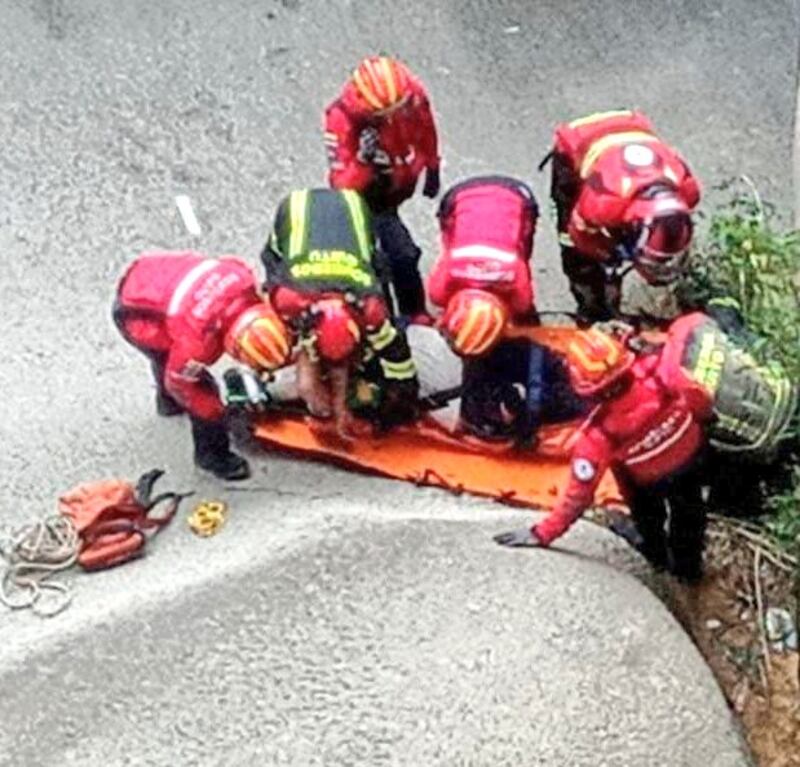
pixel 747 255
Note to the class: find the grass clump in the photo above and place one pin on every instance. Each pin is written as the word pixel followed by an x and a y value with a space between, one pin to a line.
pixel 748 255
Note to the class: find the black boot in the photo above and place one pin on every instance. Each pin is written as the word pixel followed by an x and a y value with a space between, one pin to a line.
pixel 213 453
pixel 623 526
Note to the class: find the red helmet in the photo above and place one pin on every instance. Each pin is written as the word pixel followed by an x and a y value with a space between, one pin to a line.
pixel 663 234
pixel 259 338
pixel 474 321
pixel 596 360
pixel 336 332
pixel 383 83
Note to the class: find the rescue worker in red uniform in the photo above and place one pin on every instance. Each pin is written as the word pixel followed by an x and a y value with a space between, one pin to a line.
pixel 354 361
pixel 380 136
pixel 622 196
pixel 648 427
pixel 482 281
pixel 754 438
pixel 183 311
pixel 487 225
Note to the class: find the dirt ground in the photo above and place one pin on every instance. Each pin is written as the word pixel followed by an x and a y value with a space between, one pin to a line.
pixel 722 615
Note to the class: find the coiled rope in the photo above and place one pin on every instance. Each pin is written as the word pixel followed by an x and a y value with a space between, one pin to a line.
pixel 31 556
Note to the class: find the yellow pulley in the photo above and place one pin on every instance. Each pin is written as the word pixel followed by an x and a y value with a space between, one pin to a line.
pixel 207 517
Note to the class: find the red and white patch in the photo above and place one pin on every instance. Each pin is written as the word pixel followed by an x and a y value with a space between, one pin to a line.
pixel 639 156
pixel 584 470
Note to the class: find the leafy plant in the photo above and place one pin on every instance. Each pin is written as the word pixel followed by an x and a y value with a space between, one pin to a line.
pixel 746 256
pixel 749 257
pixel 784 521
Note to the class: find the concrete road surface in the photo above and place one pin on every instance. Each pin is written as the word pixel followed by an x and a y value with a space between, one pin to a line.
pixel 338 619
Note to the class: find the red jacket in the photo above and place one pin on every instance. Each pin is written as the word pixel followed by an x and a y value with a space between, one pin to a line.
pixel 487 227
pixel 407 136
pixel 183 304
pixel 614 157
pixel 650 432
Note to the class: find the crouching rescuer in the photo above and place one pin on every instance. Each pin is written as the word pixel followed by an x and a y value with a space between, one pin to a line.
pixel 754 438
pixel 354 364
pixel 183 311
pixel 623 198
pixel 482 281
pixel 648 426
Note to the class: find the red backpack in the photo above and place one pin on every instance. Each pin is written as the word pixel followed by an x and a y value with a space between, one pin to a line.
pixel 492 210
pixel 113 518
pixel 573 140
pixel 487 227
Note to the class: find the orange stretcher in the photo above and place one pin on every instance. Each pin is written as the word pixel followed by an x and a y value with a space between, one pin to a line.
pixel 425 453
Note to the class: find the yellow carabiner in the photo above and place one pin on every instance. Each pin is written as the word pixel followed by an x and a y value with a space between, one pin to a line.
pixel 207 517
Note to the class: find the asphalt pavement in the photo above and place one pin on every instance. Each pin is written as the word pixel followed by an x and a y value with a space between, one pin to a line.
pixel 337 619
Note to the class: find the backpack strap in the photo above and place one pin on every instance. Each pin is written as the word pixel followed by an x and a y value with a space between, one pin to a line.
pixel 546 160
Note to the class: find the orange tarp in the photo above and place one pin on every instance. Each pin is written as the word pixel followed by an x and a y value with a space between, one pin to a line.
pixel 426 455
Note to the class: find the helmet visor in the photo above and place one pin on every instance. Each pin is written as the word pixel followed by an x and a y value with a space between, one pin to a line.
pixel 663 248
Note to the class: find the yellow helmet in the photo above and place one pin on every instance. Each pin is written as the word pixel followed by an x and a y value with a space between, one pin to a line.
pixel 595 361
pixel 382 82
pixel 259 338
pixel 474 321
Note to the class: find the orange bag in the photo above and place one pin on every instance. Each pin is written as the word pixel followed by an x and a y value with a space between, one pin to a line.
pixel 113 518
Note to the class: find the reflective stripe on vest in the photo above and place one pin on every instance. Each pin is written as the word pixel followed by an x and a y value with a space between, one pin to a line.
pixel 398 371
pixel 598 116
pixel 484 251
pixel 355 206
pixel 611 140
pixel 384 336
pixel 187 283
pixel 298 217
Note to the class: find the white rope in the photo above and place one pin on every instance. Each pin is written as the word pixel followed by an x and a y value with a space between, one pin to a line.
pixel 31 555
